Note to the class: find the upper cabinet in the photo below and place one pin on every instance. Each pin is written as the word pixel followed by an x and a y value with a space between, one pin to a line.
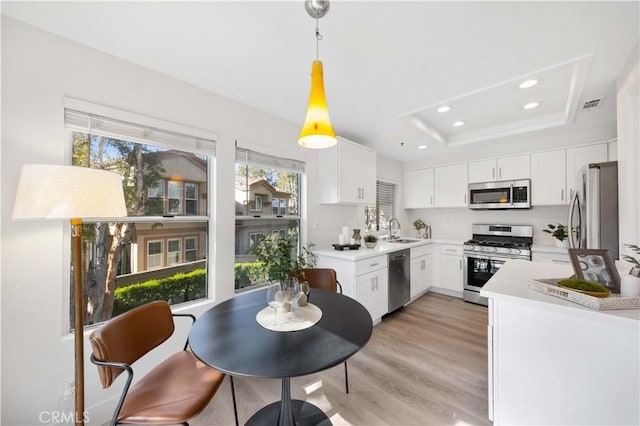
pixel 577 158
pixel 418 189
pixel 347 174
pixel 554 173
pixel 507 168
pixel 548 178
pixel 451 185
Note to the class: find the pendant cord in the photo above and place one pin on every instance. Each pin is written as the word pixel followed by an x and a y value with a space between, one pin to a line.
pixel 318 38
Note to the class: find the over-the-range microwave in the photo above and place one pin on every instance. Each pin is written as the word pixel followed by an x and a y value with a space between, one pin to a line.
pixel 511 194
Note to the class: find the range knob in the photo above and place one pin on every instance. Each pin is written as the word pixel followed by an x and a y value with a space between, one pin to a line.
pixel 514 251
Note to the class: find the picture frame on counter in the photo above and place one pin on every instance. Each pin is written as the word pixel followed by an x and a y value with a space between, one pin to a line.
pixel 596 266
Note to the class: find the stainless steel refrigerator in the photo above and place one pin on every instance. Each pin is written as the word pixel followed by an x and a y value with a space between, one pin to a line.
pixel 593 212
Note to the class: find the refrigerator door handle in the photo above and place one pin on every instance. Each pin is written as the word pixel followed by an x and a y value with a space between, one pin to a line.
pixel 574 232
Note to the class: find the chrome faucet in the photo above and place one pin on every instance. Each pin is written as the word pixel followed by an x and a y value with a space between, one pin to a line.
pixel 393 233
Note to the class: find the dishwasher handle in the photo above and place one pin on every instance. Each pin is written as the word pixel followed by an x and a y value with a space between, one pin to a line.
pixel 397 256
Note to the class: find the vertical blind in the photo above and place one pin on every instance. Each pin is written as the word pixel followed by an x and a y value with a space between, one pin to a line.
pixel 386 195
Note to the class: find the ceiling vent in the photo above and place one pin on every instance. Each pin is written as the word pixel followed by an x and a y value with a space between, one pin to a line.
pixel 592 104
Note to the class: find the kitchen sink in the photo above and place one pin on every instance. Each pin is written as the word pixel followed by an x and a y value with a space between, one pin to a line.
pixel 403 241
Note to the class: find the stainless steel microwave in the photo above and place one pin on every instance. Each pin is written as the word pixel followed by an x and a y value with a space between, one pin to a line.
pixel 511 194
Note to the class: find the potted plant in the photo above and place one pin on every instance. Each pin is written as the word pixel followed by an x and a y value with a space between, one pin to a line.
pixel 419 225
pixel 559 232
pixel 635 269
pixel 276 253
pixel 370 240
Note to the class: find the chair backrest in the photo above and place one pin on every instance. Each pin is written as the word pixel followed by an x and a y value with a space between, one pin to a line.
pixel 129 336
pixel 323 278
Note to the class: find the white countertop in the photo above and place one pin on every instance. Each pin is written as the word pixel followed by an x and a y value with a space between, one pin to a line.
pixel 383 247
pixel 510 283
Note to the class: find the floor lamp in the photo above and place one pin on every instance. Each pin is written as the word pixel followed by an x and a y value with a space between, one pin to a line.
pixel 74 193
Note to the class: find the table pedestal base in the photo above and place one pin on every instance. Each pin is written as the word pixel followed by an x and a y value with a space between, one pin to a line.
pixel 304 413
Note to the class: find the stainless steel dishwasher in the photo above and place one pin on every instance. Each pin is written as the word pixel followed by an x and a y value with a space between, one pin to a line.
pixel 399 279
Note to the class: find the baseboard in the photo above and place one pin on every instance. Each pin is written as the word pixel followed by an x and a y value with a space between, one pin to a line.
pixel 446 292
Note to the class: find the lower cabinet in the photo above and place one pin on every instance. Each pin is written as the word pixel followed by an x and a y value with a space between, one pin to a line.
pixel 421 270
pixel 449 269
pixel 551 255
pixel 372 290
pixel 366 280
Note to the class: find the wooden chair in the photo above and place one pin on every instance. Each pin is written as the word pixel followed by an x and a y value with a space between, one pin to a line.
pixel 325 279
pixel 174 391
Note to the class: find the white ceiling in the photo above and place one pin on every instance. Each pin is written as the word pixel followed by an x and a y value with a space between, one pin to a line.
pixel 387 65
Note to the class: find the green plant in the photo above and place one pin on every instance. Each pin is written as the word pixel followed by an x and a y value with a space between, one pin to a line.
pixel 370 238
pixel 632 259
pixel 558 231
pixel 276 253
pixel 419 224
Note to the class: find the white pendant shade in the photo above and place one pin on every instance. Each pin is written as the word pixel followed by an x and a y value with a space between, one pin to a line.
pixel 67 192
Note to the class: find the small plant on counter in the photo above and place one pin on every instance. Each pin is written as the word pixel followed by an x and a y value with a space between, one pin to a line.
pixel 558 231
pixel 370 238
pixel 419 224
pixel 635 270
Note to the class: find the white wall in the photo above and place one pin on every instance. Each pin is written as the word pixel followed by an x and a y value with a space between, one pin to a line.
pixel 628 104
pixel 38 71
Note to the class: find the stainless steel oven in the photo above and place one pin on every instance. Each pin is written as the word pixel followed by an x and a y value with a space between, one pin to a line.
pixel 490 248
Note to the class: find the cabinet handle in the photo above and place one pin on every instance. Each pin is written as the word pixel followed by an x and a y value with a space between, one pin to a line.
pixel 562 195
pixel 559 261
pixel 500 172
pixel 372 284
pixel 373 264
pixel 451 250
pixel 431 200
pixel 465 198
pixel 493 173
pixel 361 192
pixel 460 263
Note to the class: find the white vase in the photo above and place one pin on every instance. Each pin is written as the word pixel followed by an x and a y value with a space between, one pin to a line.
pixel 562 244
pixel 629 286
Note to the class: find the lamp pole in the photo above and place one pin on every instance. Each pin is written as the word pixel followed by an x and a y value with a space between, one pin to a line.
pixel 78 318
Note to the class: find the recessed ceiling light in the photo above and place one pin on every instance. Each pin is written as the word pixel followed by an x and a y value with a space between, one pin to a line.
pixel 531 105
pixel 444 108
pixel 422 147
pixel 528 83
pixel 458 124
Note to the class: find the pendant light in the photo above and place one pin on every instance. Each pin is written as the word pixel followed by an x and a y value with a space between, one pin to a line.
pixel 317 131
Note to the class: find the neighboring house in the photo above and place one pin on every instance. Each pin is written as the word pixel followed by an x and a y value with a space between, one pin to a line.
pixel 260 199
pixel 181 191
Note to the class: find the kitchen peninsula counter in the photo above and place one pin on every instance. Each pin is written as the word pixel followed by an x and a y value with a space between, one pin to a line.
pixel 552 361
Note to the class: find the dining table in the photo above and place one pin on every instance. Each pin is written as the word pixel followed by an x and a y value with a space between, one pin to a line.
pixel 228 338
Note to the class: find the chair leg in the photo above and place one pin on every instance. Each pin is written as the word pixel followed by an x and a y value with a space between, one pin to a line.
pixel 233 396
pixel 346 377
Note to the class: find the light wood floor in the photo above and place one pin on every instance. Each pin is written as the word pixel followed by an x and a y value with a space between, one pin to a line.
pixel 425 365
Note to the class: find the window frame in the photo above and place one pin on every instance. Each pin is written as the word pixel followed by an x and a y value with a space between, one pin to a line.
pixel 159 255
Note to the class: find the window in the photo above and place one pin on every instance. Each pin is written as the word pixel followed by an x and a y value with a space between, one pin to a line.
pixel 134 258
pixel 258 179
pixel 174 252
pixel 377 217
pixel 155 254
pixel 190 249
pixel 191 198
pixel 256 203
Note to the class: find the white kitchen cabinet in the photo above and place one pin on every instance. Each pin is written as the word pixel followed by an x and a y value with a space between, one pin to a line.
pixel 448 272
pixel 551 255
pixel 450 186
pixel 365 280
pixel 372 290
pixel 347 174
pixel 579 157
pixel 421 269
pixel 548 178
pixel 507 168
pixel 418 189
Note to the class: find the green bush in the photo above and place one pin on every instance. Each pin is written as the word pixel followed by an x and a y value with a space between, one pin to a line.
pixel 177 288
pixel 249 273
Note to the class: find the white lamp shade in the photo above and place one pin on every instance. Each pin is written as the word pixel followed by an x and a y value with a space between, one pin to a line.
pixel 68 192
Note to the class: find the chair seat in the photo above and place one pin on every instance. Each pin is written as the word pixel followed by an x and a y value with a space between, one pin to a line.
pixel 173 392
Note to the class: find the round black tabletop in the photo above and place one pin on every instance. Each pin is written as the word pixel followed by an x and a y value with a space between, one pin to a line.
pixel 228 337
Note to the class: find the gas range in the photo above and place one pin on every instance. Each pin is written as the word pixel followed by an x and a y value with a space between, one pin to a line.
pixel 490 247
pixel 512 241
